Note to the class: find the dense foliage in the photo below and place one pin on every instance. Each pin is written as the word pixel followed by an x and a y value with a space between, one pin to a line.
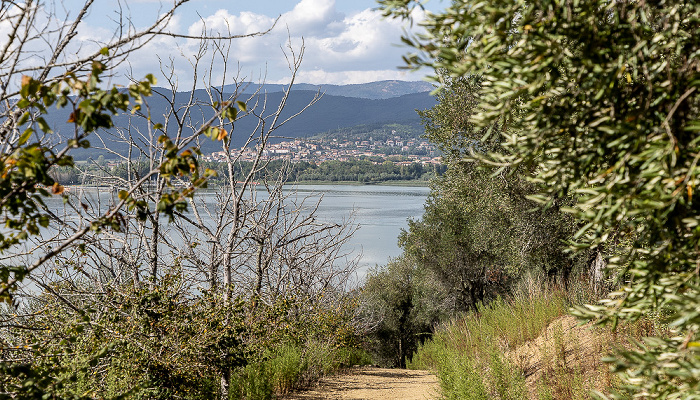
pixel 479 236
pixel 164 342
pixel 364 171
pixel 600 101
pixel 480 232
pixel 400 305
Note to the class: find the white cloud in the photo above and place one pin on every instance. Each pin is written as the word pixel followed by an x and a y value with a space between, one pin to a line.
pixel 365 40
pixel 311 17
pixel 348 48
pixel 339 48
pixel 351 77
pixel 223 23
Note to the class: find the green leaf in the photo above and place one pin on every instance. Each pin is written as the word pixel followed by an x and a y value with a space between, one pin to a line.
pixel 25 136
pixel 43 125
pixel 24 118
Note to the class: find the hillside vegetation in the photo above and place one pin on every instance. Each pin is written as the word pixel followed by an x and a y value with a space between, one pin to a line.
pixel 569 132
pixel 527 346
pixel 586 114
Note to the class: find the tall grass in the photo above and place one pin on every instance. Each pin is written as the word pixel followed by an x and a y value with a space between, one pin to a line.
pixel 469 353
pixel 502 324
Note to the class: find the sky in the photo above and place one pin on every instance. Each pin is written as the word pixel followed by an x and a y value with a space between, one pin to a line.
pixel 345 41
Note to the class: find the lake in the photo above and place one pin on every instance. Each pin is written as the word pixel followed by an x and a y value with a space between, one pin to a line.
pixel 380 212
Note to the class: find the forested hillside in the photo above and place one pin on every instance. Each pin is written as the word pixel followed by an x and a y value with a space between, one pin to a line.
pixel 329 113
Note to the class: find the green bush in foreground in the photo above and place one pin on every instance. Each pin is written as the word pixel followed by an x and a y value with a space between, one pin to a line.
pixel 159 342
pixel 290 367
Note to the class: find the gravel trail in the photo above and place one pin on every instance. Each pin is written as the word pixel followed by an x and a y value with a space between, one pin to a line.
pixel 369 383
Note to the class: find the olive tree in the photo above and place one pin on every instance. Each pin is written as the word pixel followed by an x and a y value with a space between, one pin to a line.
pixel 480 232
pixel 400 304
pixel 600 99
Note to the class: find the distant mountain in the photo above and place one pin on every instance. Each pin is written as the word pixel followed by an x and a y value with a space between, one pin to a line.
pixel 373 90
pixel 328 114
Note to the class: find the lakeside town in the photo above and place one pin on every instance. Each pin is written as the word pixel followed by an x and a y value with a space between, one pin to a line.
pixel 317 150
pixel 367 157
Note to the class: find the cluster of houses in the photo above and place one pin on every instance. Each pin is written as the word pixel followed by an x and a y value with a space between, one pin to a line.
pixel 320 150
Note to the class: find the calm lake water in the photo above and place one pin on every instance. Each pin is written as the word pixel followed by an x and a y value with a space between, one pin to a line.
pixel 379 211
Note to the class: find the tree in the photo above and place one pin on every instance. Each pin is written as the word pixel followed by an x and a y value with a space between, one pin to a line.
pixel 214 281
pixel 600 99
pixel 400 304
pixel 479 232
pixel 72 83
pixel 109 259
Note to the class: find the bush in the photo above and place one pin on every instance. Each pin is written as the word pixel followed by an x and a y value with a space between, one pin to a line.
pixel 252 382
pixel 157 342
pixel 290 367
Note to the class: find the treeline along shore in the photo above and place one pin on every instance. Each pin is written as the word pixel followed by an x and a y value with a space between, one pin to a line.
pixel 364 170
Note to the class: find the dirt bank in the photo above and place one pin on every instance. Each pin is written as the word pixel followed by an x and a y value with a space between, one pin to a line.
pixel 566 355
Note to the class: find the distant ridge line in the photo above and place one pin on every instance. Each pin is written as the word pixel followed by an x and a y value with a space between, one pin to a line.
pixel 372 90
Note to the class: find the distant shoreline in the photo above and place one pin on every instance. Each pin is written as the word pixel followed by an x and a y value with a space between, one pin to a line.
pixel 356 183
pixel 415 183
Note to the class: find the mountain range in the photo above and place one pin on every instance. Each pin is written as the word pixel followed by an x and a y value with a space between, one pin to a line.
pixel 341 106
pixel 372 90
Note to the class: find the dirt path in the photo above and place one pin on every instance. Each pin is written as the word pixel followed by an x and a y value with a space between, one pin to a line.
pixel 369 383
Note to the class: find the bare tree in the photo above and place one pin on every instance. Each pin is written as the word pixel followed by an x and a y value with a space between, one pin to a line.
pixel 253 237
pixel 252 234
pixel 39 66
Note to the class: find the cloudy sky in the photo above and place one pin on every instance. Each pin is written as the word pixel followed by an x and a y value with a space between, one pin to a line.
pixel 346 41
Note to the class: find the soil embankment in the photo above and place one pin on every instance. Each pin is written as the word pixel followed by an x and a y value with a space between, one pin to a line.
pixel 566 355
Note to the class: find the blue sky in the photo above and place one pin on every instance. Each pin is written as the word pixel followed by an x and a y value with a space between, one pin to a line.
pixel 345 40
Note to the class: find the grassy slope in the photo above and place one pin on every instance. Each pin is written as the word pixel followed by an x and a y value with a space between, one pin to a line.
pixel 525 347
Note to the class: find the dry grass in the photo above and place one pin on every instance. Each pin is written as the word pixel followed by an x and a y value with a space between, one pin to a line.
pixel 564 362
pixel 527 347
